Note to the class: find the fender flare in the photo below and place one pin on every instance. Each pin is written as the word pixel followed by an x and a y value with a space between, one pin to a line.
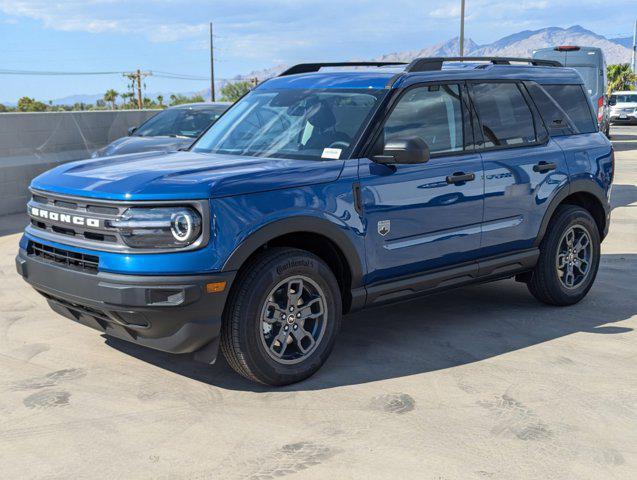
pixel 575 186
pixel 304 224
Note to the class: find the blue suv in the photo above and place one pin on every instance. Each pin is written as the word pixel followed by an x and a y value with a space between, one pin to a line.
pixel 322 192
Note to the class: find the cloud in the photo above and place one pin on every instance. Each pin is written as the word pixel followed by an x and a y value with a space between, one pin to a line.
pixel 103 16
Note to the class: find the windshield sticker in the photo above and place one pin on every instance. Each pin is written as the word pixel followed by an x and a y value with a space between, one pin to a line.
pixel 334 153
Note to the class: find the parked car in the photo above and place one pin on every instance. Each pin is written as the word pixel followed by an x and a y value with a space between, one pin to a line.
pixel 623 106
pixel 321 193
pixel 591 65
pixel 171 129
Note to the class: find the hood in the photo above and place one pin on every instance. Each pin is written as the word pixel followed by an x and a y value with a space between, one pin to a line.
pixel 182 176
pixel 135 144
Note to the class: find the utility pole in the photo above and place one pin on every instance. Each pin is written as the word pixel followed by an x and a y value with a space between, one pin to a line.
pixel 634 59
pixel 136 83
pixel 462 28
pixel 212 67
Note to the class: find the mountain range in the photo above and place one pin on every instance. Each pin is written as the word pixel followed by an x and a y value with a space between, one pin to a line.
pixel 521 44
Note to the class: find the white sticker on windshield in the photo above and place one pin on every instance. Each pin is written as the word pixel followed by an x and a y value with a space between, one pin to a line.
pixel 334 153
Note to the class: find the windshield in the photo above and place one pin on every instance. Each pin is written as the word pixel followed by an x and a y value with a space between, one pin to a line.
pixel 623 98
pixel 299 124
pixel 179 122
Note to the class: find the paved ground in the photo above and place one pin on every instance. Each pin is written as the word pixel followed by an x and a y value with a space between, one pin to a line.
pixel 481 383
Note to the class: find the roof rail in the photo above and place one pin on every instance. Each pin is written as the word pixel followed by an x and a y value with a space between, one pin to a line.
pixel 315 67
pixel 428 64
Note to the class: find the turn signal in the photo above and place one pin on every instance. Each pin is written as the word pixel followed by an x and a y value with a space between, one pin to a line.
pixel 215 287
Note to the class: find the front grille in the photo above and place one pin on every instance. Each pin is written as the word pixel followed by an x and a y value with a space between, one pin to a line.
pixel 86 223
pixel 62 228
pixel 74 260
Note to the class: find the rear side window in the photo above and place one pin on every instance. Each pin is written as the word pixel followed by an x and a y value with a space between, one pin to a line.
pixel 574 102
pixel 433 113
pixel 505 116
pixel 556 119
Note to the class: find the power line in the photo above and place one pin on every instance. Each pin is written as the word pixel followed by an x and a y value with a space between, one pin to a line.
pixel 33 72
pixel 157 73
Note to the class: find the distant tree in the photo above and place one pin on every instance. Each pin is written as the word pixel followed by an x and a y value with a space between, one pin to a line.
pixel 620 77
pixel 81 106
pixel 128 100
pixel 110 97
pixel 28 104
pixel 179 99
pixel 99 103
pixel 160 101
pixel 149 103
pixel 231 92
pixel 3 108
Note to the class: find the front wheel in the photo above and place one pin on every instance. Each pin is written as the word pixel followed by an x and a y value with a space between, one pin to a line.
pixel 569 258
pixel 282 317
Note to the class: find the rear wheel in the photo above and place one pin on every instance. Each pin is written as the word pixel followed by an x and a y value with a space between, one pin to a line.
pixel 569 258
pixel 282 318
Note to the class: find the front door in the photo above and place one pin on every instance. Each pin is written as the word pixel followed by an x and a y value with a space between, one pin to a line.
pixel 424 216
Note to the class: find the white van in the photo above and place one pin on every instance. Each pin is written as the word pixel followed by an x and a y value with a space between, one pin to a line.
pixel 623 107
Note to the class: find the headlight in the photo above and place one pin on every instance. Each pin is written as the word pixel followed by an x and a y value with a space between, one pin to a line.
pixel 160 227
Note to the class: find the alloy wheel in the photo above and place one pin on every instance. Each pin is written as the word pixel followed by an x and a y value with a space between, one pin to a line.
pixel 293 319
pixel 574 257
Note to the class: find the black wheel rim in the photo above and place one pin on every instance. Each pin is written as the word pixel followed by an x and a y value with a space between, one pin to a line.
pixel 293 319
pixel 574 257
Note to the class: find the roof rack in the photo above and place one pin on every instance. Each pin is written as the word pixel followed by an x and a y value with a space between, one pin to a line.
pixel 315 67
pixel 428 64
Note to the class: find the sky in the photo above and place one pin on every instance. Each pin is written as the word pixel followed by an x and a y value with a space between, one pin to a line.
pixel 172 36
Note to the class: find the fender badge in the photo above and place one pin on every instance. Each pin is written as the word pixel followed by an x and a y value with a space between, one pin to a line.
pixel 384 227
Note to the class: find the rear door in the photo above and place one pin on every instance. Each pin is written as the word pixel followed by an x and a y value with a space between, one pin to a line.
pixel 424 216
pixel 523 167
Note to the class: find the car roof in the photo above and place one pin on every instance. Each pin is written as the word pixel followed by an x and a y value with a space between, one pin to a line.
pixel 396 77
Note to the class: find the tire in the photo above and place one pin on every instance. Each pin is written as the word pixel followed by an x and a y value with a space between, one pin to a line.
pixel 549 282
pixel 254 336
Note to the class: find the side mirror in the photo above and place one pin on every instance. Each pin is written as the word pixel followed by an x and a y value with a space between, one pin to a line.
pixel 131 130
pixel 404 150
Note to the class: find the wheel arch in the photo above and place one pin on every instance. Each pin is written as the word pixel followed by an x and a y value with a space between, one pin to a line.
pixel 585 194
pixel 319 236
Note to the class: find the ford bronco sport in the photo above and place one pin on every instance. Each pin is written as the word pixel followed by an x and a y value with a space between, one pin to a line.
pixel 325 191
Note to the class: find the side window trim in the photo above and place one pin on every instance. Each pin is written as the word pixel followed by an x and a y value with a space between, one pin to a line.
pixel 538 123
pixel 569 122
pixel 367 150
pixel 518 84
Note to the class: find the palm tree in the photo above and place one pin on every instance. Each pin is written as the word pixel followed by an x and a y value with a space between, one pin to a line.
pixel 620 77
pixel 110 96
pixel 160 100
pixel 127 98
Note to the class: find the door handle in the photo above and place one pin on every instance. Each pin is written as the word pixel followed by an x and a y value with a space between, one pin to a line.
pixel 461 177
pixel 543 167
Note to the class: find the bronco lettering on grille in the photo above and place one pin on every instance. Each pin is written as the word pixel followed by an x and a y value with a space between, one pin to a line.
pixel 65 218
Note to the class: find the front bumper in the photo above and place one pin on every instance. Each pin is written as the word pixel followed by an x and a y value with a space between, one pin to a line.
pixel 623 116
pixel 169 313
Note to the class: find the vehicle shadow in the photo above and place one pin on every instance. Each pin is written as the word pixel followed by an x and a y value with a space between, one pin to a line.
pixel 623 141
pixel 438 332
pixel 623 195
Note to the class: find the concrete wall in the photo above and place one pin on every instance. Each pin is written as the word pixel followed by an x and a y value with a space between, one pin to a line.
pixel 31 143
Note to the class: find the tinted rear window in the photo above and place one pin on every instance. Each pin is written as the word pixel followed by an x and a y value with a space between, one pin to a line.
pixel 575 103
pixel 557 121
pixel 506 118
